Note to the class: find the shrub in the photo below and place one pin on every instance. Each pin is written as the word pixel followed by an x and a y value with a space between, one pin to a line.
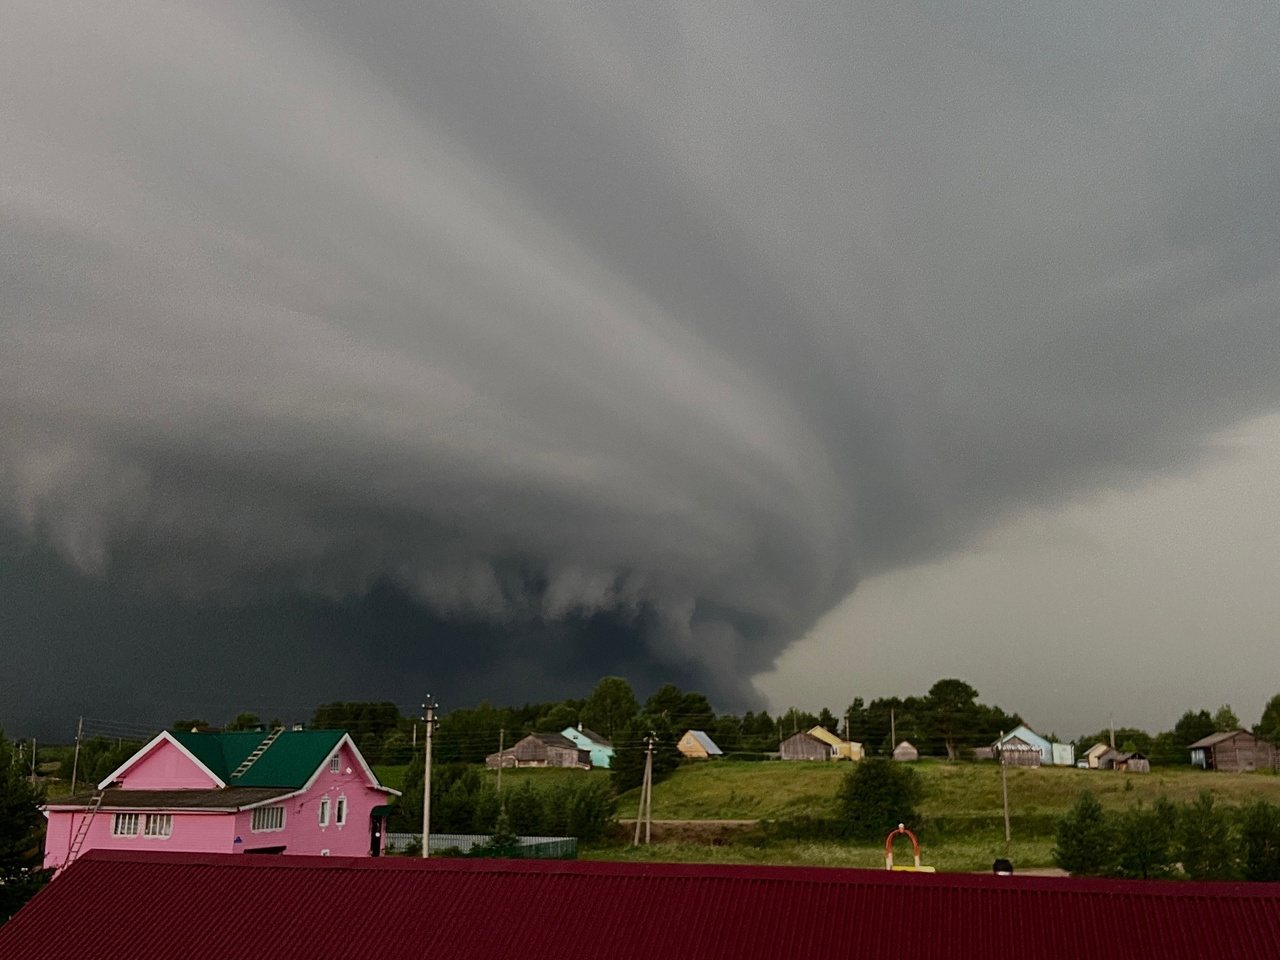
pixel 875 796
pixel 1145 843
pixel 1204 840
pixel 1085 841
pixel 1259 825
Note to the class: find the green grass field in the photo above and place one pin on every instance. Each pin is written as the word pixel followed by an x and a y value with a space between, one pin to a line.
pixel 961 825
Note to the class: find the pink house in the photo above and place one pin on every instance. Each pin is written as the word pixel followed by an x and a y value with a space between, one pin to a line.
pixel 287 791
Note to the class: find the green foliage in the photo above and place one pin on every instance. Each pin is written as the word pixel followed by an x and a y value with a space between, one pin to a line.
pixel 1225 719
pixel 679 709
pixel 98 758
pixel 611 706
pixel 20 833
pixel 369 724
pixel 626 769
pixel 1204 840
pixel 1193 726
pixel 876 795
pixel 1085 839
pixel 1269 726
pixel 503 841
pixel 1145 845
pixel 245 721
pixel 1259 829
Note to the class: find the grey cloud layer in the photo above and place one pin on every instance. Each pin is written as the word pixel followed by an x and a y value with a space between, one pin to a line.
pixel 702 312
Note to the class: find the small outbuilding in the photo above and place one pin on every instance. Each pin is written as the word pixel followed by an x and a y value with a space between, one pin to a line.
pixel 541 750
pixel 1234 751
pixel 840 749
pixel 1015 752
pixel 1094 755
pixel 804 746
pixel 1134 762
pixel 906 752
pixel 696 745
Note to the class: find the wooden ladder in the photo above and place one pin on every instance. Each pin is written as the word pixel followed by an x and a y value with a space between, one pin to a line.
pixel 82 830
pixel 258 751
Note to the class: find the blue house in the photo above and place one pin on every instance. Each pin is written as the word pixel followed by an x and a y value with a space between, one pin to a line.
pixel 1029 736
pixel 601 749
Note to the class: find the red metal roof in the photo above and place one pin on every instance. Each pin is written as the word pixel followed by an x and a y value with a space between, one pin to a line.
pixel 145 906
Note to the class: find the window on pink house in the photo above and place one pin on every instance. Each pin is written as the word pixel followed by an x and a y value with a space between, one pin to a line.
pixel 334 765
pixel 340 816
pixel 324 811
pixel 159 825
pixel 124 825
pixel 267 818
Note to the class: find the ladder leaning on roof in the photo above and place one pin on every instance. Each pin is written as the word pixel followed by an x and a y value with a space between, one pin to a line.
pixel 258 751
pixel 82 830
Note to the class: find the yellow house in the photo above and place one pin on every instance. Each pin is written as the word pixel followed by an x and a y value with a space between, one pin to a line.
pixel 840 749
pixel 696 744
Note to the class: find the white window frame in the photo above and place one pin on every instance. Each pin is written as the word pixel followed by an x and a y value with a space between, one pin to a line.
pixel 124 825
pixel 335 764
pixel 263 819
pixel 159 826
pixel 340 811
pixel 324 811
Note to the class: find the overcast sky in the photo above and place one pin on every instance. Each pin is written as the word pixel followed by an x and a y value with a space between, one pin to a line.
pixel 347 350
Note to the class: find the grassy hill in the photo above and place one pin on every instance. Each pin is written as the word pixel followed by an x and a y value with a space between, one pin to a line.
pixel 961 825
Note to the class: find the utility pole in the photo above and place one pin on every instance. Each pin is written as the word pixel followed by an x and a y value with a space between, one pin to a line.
pixel 1111 722
pixel 75 763
pixel 644 812
pixel 893 731
pixel 502 736
pixel 33 761
pixel 1004 789
pixel 429 716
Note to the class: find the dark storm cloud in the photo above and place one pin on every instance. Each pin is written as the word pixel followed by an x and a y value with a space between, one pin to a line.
pixel 682 317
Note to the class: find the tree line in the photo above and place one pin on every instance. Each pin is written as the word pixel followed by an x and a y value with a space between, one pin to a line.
pixel 1201 840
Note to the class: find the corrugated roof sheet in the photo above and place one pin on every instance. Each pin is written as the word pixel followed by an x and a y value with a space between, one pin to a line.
pixel 202 907
pixel 707 743
pixel 289 762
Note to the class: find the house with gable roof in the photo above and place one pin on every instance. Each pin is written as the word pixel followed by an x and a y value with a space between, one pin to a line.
pixel 696 745
pixel 282 791
pixel 599 747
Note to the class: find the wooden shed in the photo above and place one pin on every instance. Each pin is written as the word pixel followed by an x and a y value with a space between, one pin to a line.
pixel 804 746
pixel 1132 763
pixel 541 750
pixel 1235 751
pixel 1016 752
pixel 906 752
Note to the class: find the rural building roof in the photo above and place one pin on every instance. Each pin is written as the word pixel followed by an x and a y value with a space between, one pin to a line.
pixel 289 761
pixel 148 906
pixel 555 740
pixel 594 737
pixel 705 742
pixel 1215 738
pixel 229 798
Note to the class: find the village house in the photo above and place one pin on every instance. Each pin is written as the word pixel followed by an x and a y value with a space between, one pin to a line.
pixel 283 791
pixel 696 745
pixel 598 747
pixel 905 752
pixel 151 906
pixel 841 749
pixel 1051 753
pixel 1015 752
pixel 804 746
pixel 1093 756
pixel 1234 751
pixel 541 750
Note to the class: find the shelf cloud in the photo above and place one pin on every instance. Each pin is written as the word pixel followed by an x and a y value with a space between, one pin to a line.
pixel 537 340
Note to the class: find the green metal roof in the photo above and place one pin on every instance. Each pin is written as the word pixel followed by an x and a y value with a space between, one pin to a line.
pixel 289 762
